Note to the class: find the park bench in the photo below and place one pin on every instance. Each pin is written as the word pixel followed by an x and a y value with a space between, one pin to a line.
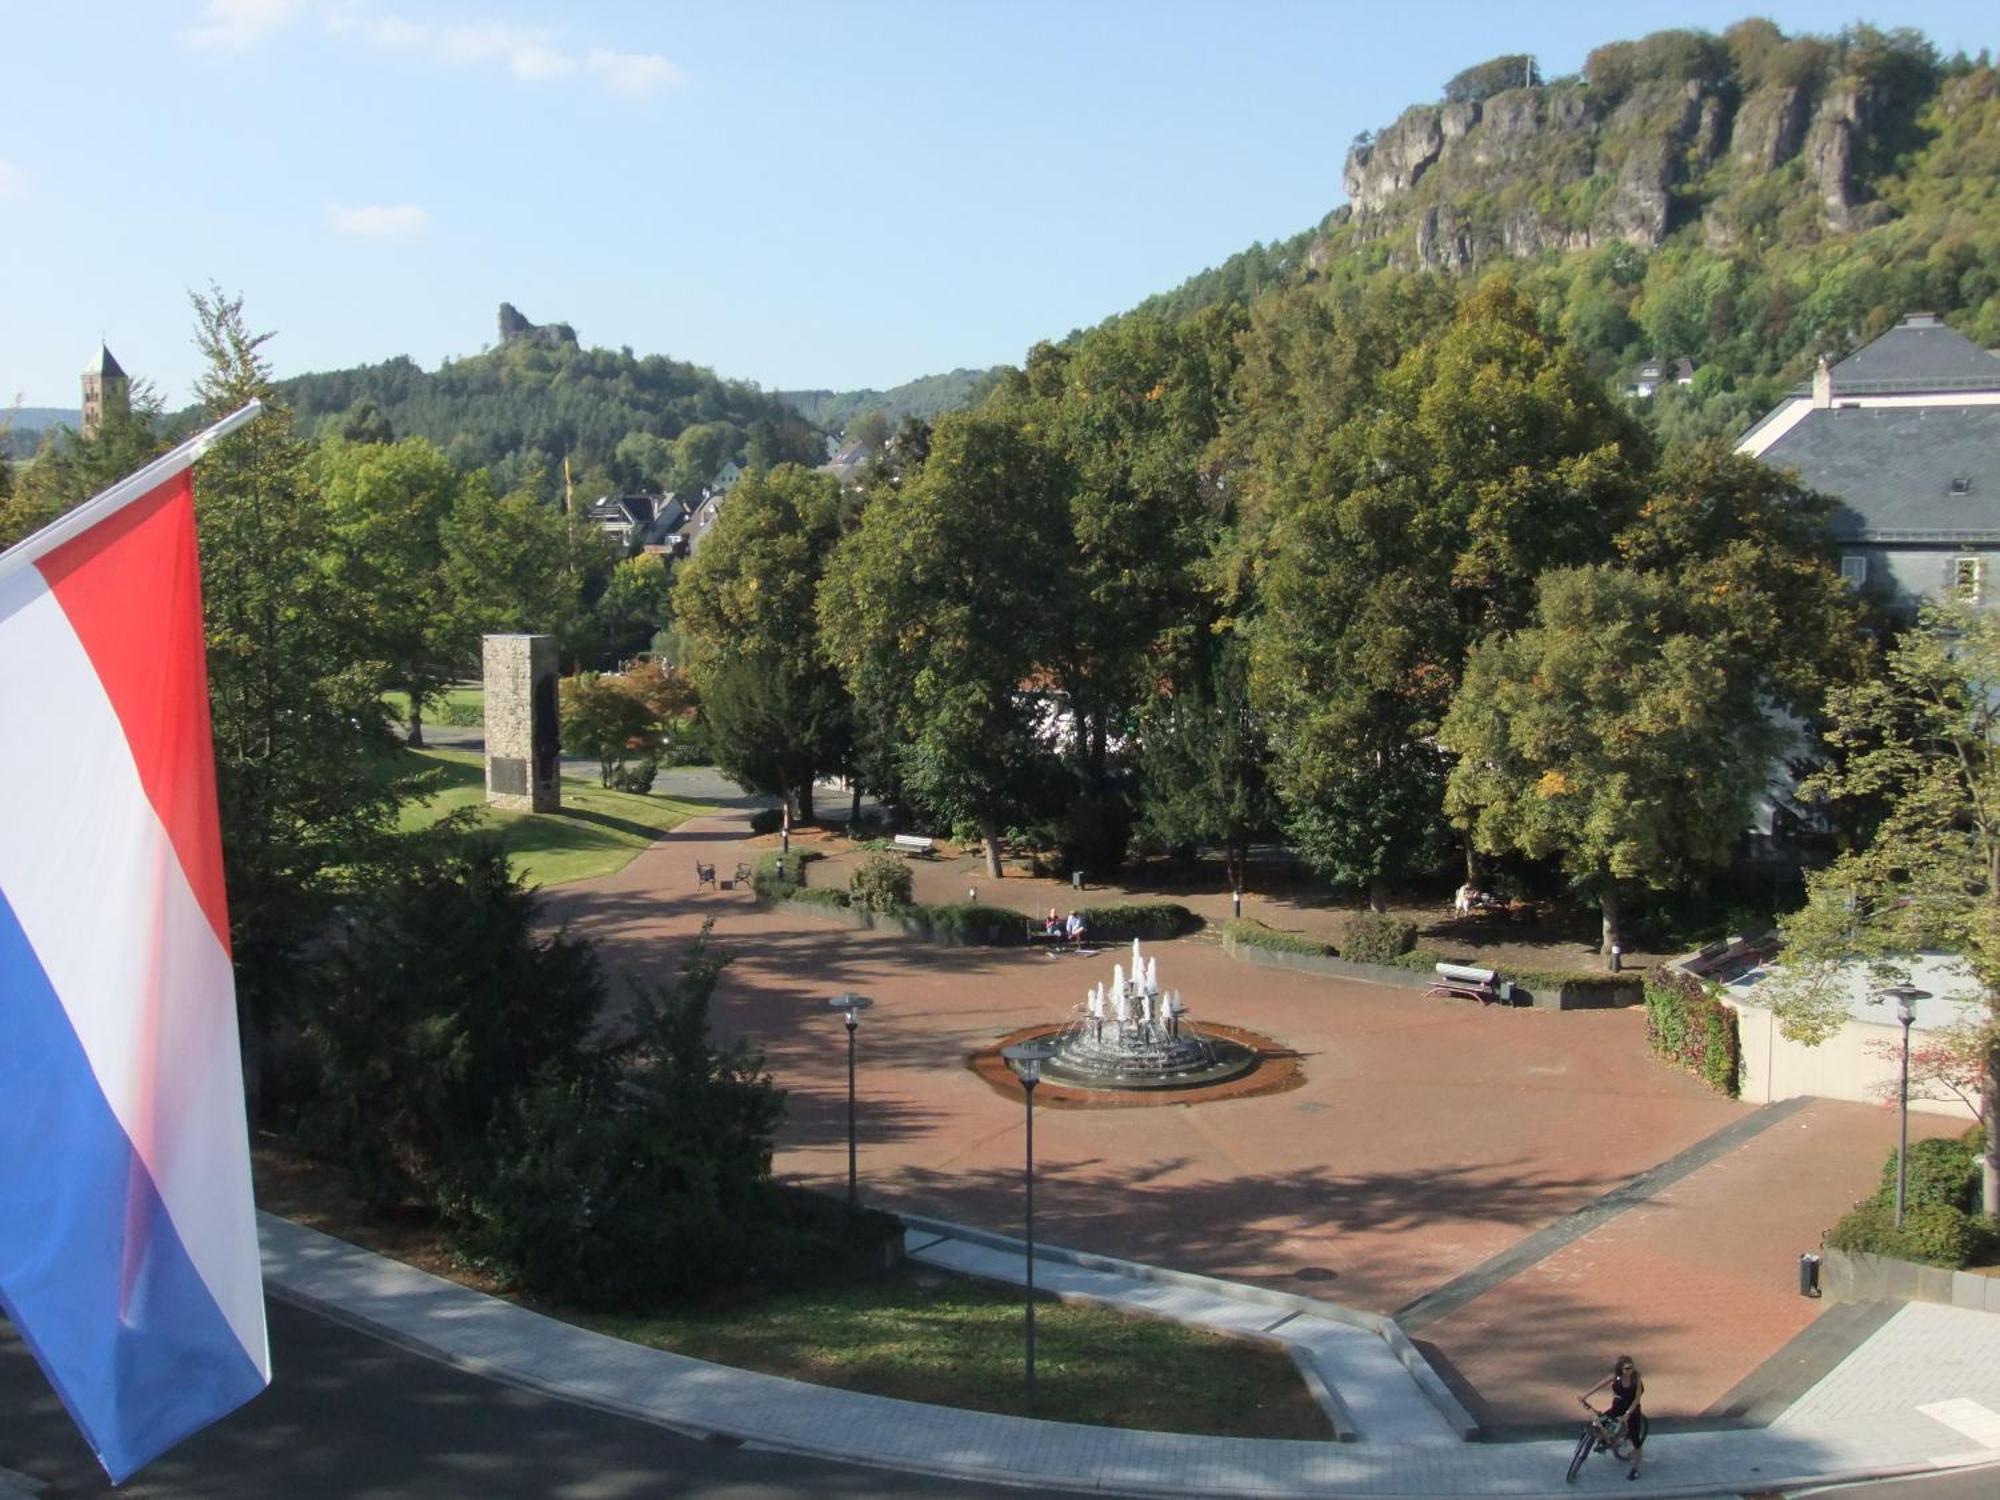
pixel 704 875
pixel 916 843
pixel 1464 982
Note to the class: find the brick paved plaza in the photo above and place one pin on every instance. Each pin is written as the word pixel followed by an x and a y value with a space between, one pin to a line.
pixel 1425 1138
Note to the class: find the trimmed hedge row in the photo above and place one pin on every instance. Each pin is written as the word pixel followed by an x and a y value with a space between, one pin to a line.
pixel 1688 1026
pixel 1257 935
pixel 1377 938
pixel 1138 919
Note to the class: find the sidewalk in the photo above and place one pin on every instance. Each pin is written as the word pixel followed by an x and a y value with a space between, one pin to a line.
pixel 1923 1394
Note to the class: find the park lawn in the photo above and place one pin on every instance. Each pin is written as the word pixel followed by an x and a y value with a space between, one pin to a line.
pixel 913 1333
pixel 923 1335
pixel 597 831
pixel 470 703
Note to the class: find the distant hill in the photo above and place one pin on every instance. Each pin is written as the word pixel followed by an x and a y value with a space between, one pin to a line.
pixel 23 426
pixel 540 398
pixel 926 396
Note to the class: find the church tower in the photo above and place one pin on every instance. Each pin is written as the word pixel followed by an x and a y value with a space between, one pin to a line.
pixel 106 390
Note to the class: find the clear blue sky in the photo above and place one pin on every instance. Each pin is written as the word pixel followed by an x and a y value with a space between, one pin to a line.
pixel 801 194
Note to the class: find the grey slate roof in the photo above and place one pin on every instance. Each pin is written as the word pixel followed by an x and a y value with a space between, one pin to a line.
pixel 104 365
pixel 1893 468
pixel 1916 355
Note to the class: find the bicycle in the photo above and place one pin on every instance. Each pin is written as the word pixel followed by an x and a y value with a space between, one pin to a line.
pixel 1602 1431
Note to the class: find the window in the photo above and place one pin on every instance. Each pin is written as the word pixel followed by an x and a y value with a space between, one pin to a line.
pixel 1854 568
pixel 1968 577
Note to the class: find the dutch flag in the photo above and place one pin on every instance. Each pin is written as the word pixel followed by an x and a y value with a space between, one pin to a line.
pixel 128 1241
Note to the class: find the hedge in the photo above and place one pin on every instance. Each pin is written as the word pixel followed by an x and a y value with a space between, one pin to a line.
pixel 1688 1026
pixel 1257 935
pixel 776 876
pixel 1939 1227
pixel 1140 919
pixel 968 922
pixel 1377 938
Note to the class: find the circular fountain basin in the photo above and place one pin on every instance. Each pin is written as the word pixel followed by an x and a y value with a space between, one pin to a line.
pixel 1190 1060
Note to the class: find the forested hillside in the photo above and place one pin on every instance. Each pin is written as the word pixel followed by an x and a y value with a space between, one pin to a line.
pixel 1748 201
pixel 520 410
pixel 925 397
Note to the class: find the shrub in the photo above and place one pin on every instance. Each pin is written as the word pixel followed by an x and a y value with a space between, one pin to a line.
pixel 1941 1172
pixel 819 895
pixel 1257 935
pixel 970 922
pixel 882 883
pixel 776 875
pixel 648 1175
pixel 1935 1234
pixel 1377 938
pixel 1688 1026
pixel 459 715
pixel 635 775
pixel 767 820
pixel 441 1010
pixel 1139 919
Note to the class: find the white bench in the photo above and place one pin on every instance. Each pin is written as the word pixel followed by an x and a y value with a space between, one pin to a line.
pixel 915 843
pixel 1465 982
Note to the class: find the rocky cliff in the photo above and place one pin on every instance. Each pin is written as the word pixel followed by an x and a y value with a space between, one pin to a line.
pixel 1568 167
pixel 516 329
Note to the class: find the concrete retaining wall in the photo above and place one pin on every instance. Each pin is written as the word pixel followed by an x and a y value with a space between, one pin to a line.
pixel 1852 1276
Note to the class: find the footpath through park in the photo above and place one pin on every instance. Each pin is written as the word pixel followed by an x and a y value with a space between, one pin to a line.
pixel 1921 1395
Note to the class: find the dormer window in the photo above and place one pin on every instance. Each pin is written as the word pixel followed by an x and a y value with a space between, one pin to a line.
pixel 1960 485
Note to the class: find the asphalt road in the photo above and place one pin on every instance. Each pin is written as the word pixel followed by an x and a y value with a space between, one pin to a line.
pixel 1980 1485
pixel 351 1417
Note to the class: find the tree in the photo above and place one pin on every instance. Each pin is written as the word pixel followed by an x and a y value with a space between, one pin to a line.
pixel 746 604
pixel 1614 734
pixel 513 563
pixel 605 720
pixel 1515 70
pixel 306 789
pixel 1918 749
pixel 938 611
pixel 637 604
pixel 387 505
pixel 1402 522
pixel 870 429
pixel 1204 755
pixel 413 1074
pixel 70 468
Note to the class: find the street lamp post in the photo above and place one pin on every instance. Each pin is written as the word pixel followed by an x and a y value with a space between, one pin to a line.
pixel 1026 1059
pixel 1906 998
pixel 850 1007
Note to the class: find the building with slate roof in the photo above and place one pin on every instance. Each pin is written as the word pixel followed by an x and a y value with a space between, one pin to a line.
pixel 1905 434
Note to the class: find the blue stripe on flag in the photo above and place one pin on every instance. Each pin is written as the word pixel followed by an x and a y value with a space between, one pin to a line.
pixel 141 1357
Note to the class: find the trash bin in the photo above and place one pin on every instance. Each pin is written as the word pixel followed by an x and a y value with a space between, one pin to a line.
pixel 1808 1275
pixel 1076 879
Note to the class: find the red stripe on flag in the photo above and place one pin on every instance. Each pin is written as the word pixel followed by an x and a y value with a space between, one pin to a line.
pixel 131 589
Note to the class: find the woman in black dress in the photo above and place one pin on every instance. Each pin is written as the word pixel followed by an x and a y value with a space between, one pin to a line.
pixel 1626 1390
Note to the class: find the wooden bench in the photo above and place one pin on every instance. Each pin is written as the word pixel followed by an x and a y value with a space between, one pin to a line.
pixel 1464 982
pixel 916 843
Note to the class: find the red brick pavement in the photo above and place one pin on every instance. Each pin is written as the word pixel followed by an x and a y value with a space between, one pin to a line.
pixel 1427 1136
pixel 1699 1283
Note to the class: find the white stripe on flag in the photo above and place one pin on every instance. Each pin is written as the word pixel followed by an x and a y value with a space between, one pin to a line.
pixel 97 888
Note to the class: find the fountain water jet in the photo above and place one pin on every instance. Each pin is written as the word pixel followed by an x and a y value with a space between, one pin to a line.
pixel 1134 1035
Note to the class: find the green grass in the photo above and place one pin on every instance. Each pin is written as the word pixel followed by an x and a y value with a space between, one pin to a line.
pixel 922 1336
pixel 596 832
pixel 457 705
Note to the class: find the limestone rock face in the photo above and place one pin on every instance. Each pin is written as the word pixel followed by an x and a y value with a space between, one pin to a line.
pixel 1390 165
pixel 516 329
pixel 1829 150
pixel 1768 127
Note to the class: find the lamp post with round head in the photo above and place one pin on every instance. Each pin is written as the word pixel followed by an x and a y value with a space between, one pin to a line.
pixel 850 1007
pixel 1026 1059
pixel 1906 998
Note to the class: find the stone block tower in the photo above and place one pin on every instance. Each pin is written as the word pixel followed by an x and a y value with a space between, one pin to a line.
pixel 523 730
pixel 106 391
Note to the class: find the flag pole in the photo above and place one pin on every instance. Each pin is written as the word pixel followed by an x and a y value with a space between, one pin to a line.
pixel 99 507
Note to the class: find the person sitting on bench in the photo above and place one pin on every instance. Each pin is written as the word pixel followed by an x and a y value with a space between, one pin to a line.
pixel 1073 929
pixel 1053 927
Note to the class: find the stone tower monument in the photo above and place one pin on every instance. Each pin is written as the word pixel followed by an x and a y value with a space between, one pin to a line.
pixel 106 391
pixel 523 732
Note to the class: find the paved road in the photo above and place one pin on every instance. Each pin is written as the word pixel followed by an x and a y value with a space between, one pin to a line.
pixel 1977 1486
pixel 351 1418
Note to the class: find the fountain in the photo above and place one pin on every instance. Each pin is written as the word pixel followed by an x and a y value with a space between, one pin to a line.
pixel 1134 1035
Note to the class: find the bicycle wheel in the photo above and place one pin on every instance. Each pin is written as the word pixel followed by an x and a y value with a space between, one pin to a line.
pixel 1621 1444
pixel 1583 1446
